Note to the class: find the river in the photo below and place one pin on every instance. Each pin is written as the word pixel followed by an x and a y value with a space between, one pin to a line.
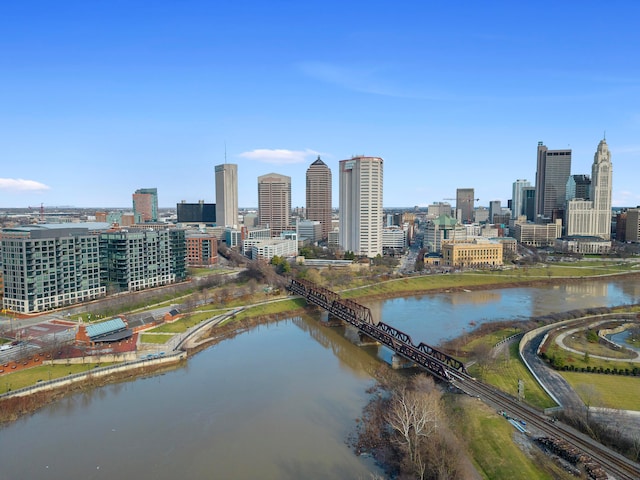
pixel 278 402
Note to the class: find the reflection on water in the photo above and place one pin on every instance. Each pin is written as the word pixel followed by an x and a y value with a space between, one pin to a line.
pixel 273 403
pixel 277 402
pixel 437 317
pixel 621 339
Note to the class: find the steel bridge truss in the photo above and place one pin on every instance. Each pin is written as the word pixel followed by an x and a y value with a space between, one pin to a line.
pixel 428 357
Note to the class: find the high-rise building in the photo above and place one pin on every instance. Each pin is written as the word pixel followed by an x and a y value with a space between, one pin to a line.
pixel 465 204
pixel 529 203
pixel 360 209
pixel 200 213
pixel 601 188
pixel 633 225
pixel 593 217
pixel 50 266
pixel 517 199
pixel 274 202
pixel 145 203
pixel 579 186
pixel 495 210
pixel 227 195
pixel 319 195
pixel 136 259
pixel 553 170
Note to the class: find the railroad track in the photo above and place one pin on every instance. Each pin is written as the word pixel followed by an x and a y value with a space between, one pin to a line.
pixel 616 465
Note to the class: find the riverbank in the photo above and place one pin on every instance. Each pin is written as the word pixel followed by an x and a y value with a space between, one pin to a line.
pixel 287 307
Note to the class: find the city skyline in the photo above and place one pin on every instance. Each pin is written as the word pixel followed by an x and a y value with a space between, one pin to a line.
pixel 99 99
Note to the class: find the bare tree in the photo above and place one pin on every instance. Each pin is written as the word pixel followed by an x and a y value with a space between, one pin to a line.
pixel 414 415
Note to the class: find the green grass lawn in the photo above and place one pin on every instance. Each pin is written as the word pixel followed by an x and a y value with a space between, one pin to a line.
pixel 490 439
pixel 272 308
pixel 490 339
pixel 30 376
pixel 504 373
pixel 561 357
pixel 612 391
pixel 155 338
pixel 183 324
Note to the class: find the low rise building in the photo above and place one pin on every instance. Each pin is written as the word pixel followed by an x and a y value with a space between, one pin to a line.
pixel 584 245
pixel 267 249
pixel 479 253
pixel 394 239
pixel 202 249
pixel 536 234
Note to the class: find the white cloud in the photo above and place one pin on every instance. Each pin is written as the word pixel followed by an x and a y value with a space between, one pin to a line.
pixel 21 185
pixel 278 156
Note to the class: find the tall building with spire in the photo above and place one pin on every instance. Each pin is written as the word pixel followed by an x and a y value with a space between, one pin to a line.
pixel 360 209
pixel 319 195
pixel 553 170
pixel 593 217
pixel 227 195
pixel 274 202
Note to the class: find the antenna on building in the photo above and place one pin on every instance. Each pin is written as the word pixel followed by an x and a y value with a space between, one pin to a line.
pixel 225 151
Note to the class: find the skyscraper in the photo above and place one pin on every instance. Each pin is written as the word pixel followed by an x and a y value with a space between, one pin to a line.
pixel 553 169
pixel 593 217
pixel 601 184
pixel 517 198
pixel 529 203
pixel 319 195
pixel 578 186
pixel 495 209
pixel 274 202
pixel 145 203
pixel 227 195
pixel 465 204
pixel 360 209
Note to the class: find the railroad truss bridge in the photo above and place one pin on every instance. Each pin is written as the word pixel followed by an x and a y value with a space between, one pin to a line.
pixel 436 362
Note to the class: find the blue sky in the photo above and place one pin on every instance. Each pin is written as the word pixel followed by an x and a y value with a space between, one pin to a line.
pixel 99 98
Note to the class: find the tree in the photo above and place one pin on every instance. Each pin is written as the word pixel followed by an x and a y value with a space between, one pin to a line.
pixel 414 414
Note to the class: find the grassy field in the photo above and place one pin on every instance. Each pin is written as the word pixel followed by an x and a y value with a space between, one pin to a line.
pixel 611 391
pixel 505 371
pixel 30 376
pixel 183 324
pixel 578 341
pixel 561 357
pixel 490 339
pixel 158 338
pixel 490 439
pixel 272 308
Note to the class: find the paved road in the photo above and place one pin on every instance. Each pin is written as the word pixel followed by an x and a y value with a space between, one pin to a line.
pixel 626 422
pixel 552 380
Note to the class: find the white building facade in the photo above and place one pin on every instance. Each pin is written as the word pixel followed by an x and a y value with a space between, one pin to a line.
pixel 360 211
pixel 227 195
pixel 593 217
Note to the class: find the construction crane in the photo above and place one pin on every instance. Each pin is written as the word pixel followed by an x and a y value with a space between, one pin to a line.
pixel 41 209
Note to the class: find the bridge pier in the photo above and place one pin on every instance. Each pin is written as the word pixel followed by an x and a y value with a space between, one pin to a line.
pixel 355 336
pixel 399 363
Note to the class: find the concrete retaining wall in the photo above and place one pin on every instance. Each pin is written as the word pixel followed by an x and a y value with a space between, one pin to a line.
pixel 96 373
pixel 527 337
